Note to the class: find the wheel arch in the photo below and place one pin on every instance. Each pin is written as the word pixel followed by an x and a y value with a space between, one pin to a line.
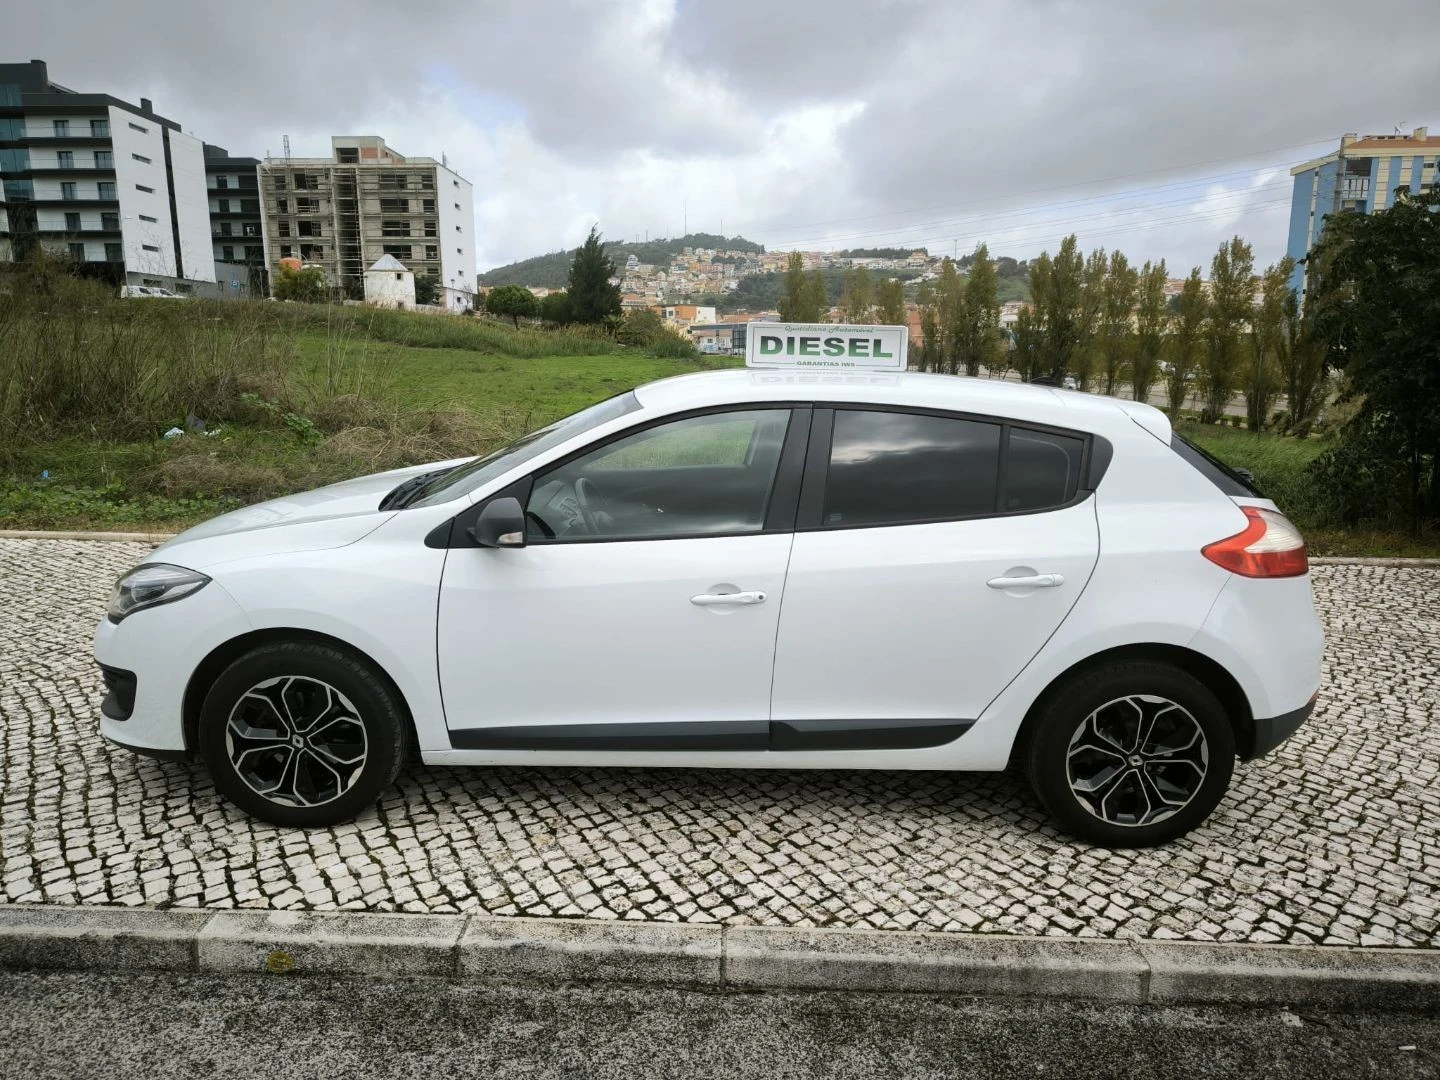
pixel 1208 671
pixel 223 655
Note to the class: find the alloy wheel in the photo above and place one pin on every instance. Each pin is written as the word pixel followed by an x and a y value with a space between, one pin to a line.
pixel 296 741
pixel 1137 760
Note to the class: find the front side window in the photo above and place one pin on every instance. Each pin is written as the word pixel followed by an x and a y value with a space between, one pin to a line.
pixel 894 468
pixel 708 475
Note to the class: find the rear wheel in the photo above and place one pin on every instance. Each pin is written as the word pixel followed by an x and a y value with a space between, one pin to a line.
pixel 1131 754
pixel 301 734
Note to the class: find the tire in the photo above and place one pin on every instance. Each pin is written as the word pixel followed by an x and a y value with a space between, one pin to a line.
pixel 1084 763
pixel 349 725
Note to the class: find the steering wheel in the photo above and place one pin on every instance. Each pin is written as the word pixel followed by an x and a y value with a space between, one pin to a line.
pixel 585 497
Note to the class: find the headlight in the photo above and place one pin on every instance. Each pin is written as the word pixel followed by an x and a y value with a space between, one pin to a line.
pixel 152 584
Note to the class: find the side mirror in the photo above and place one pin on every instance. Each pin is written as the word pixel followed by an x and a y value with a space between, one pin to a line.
pixel 500 525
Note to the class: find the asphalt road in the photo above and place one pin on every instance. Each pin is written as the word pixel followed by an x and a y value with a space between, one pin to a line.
pixel 157 1026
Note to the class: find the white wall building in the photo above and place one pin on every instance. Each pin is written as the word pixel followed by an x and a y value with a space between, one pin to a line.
pixel 388 284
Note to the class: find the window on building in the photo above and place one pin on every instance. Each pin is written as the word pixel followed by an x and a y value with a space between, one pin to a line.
pixel 147 217
pixel 312 251
pixel 432 252
pixel 254 254
pixel 227 253
pixel 348 155
pixel 105 189
pixel 391 181
pixel 285 250
pixel 225 228
pixel 430 229
pixel 110 221
pixel 280 182
pixel 223 206
pixel 67 191
pixel 150 247
pixel 459 251
pixel 307 206
pixel 394 206
pixel 282 206
pixel 428 206
pixel 114 253
pixel 62 129
pixel 147 190
pixel 455 182
pixel 65 159
pixel 222 182
pixel 11 129
pixel 77 252
pixel 890 468
pixel 249 206
pixel 143 130
pixel 99 129
pixel 310 228
pixel 427 182
pixel 250 228
pixel 400 251
pixel 307 182
pixel 104 159
pixel 72 222
pixel 142 159
pixel 284 227
pixel 391 227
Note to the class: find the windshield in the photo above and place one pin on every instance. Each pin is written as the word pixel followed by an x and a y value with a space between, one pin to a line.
pixel 481 471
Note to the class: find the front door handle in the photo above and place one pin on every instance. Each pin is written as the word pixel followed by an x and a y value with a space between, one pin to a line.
pixel 724 598
pixel 1030 581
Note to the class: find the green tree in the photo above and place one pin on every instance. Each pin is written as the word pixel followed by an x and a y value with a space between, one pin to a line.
pixel 1152 315
pixel 890 309
pixel 592 297
pixel 1269 342
pixel 1232 302
pixel 1027 352
pixel 819 296
pixel 1187 341
pixel 979 334
pixel 555 308
pixel 928 354
pixel 641 327
pixel 512 300
pixel 950 295
pixel 1057 285
pixel 1114 339
pixel 427 289
pixel 858 298
pixel 1305 360
pixel 305 285
pixel 1377 304
pixel 796 305
pixel 1088 315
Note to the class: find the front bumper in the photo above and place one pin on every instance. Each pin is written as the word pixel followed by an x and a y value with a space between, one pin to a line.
pixel 1271 731
pixel 158 649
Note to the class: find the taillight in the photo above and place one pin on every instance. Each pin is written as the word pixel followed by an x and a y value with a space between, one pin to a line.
pixel 1269 546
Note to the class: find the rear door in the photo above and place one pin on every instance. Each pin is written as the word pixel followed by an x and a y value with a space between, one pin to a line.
pixel 934 556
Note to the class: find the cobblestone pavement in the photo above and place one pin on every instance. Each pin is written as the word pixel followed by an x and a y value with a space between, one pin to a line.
pixel 1335 838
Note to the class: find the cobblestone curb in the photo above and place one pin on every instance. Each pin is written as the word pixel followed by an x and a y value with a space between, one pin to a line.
pixel 511 950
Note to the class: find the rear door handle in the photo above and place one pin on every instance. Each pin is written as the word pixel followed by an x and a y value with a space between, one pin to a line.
pixel 724 598
pixel 1031 581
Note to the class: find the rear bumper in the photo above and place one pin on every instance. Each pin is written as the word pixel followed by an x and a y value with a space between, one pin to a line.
pixel 1271 731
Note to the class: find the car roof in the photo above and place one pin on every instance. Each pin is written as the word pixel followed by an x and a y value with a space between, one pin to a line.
pixel 954 393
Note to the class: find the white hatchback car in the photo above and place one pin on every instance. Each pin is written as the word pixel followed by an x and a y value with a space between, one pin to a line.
pixel 744 570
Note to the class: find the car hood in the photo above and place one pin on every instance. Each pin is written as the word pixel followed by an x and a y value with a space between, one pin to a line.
pixel 327 517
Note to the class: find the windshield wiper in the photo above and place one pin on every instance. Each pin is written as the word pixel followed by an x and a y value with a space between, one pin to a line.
pixel 400 495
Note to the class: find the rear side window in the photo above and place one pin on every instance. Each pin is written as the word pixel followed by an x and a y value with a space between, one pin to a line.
pixel 1042 470
pixel 891 468
pixel 1217 472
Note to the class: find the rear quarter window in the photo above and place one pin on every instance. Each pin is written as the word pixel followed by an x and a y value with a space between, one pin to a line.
pixel 1217 472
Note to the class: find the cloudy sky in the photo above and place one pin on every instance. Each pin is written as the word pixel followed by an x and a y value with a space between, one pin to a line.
pixel 1160 128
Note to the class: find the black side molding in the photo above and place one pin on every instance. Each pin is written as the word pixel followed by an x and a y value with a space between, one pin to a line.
pixel 1271 731
pixel 718 735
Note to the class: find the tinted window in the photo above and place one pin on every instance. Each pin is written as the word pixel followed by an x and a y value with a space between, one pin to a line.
pixel 1041 470
pixel 700 476
pixel 891 468
pixel 1217 472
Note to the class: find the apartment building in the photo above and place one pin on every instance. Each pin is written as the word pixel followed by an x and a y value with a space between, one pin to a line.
pixel 236 230
pixel 1361 176
pixel 113 186
pixel 365 201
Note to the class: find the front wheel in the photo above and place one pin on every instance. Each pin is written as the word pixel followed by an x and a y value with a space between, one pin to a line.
pixel 1131 754
pixel 301 734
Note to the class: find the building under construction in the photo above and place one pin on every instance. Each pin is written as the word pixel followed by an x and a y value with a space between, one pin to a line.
pixel 344 212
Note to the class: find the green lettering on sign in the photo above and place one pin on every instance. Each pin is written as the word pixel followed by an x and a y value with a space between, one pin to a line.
pixel 834 346
pixel 875 352
pixel 769 345
pixel 859 346
pixel 809 346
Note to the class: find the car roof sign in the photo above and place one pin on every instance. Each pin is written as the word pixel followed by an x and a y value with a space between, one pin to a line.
pixel 826 346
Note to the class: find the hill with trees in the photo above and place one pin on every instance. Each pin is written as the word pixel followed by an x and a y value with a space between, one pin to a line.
pixel 552 270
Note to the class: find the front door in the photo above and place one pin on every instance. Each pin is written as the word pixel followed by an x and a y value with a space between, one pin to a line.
pixel 941 554
pixel 642 613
